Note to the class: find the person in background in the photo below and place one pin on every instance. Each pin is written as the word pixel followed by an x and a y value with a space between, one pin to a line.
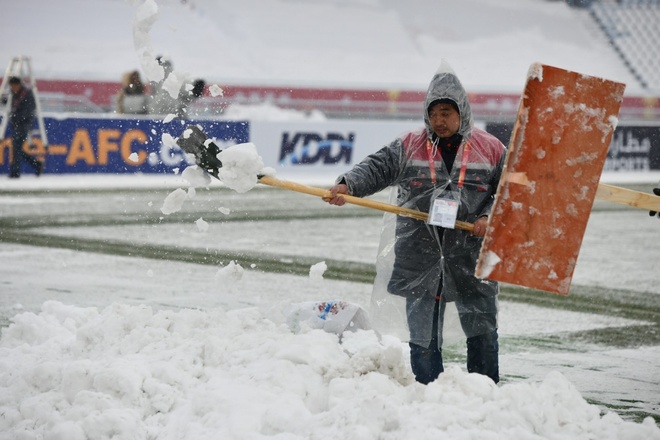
pixel 451 166
pixel 132 98
pixel 21 119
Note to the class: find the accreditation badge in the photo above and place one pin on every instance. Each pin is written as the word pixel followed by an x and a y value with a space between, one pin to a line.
pixel 444 211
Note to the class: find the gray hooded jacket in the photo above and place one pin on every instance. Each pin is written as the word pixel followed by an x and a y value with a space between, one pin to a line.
pixel 429 261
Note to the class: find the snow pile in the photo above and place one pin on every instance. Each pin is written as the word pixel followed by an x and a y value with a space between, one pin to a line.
pixel 202 225
pixel 241 166
pixel 231 273
pixel 128 372
pixel 196 176
pixel 174 82
pixel 216 90
pixel 317 270
pixel 174 201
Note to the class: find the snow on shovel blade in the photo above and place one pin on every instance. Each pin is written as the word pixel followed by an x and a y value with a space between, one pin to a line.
pixel 238 167
pixel 555 158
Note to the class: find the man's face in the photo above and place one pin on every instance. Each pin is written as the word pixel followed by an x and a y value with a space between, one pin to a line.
pixel 15 87
pixel 445 120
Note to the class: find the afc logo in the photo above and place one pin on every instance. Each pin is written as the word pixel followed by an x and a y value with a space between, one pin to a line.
pixel 310 148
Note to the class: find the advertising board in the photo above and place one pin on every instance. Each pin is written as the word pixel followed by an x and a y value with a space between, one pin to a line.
pixel 297 149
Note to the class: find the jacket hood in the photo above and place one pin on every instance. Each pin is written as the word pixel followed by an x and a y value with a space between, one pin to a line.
pixel 446 85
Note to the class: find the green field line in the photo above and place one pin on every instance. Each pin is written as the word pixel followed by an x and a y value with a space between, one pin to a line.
pixel 128 219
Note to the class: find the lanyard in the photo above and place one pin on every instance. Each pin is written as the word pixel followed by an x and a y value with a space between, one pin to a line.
pixel 430 154
pixel 464 162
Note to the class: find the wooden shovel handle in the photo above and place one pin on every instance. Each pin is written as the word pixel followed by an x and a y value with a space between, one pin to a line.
pixel 404 212
pixel 628 197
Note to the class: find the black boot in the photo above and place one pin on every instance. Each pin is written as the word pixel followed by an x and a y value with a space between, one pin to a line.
pixel 482 355
pixel 426 363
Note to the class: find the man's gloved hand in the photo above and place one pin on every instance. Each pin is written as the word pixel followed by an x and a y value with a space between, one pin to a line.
pixel 656 191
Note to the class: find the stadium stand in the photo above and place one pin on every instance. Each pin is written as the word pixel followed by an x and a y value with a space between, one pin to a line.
pixel 632 28
pixel 628 28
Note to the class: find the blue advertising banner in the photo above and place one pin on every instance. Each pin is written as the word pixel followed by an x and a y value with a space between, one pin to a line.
pixel 118 145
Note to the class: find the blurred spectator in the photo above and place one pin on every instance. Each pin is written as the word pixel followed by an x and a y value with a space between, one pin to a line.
pixel 198 88
pixel 132 98
pixel 21 119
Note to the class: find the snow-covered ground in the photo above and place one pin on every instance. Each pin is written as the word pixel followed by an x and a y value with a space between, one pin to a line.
pixel 102 345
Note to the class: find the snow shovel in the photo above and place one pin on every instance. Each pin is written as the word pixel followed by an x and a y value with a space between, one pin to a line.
pixel 206 151
pixel 556 155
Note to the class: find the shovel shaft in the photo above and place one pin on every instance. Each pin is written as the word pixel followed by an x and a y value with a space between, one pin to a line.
pixel 366 203
pixel 628 197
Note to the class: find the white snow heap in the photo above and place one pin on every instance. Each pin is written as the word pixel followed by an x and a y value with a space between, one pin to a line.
pixel 132 372
pixel 216 90
pixel 231 272
pixel 174 83
pixel 317 270
pixel 241 164
pixel 168 140
pixel 490 260
pixel 174 201
pixel 196 176
pixel 202 225
pixel 535 71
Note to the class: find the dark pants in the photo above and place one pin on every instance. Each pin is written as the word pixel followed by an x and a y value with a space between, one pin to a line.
pixel 482 355
pixel 19 155
pixel 426 362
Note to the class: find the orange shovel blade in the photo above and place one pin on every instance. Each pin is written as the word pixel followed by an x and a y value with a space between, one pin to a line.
pixel 554 161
